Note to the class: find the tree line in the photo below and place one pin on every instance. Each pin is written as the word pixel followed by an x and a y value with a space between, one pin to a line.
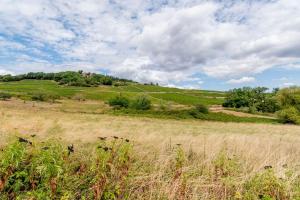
pixel 284 102
pixel 69 78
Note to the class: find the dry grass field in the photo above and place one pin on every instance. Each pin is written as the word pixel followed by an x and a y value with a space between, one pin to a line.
pixel 214 160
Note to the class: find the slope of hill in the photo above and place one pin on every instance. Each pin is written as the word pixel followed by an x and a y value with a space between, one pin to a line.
pixel 156 93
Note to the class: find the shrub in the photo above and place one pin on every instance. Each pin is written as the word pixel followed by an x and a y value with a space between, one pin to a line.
pixel 39 97
pixel 202 108
pixel 5 96
pixel 119 102
pixel 289 115
pixel 142 103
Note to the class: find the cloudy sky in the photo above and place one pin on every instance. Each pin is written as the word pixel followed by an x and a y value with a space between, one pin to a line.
pixel 208 44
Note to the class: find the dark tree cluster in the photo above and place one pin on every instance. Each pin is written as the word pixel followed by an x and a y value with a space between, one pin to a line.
pixel 70 78
pixel 256 99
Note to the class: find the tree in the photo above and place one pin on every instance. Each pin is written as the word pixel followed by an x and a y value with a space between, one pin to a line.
pixel 256 99
pixel 289 101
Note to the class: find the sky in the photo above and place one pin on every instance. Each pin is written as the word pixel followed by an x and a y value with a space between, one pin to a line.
pixel 203 44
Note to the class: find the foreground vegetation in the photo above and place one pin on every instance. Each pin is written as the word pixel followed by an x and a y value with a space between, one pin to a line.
pixel 213 160
pixel 114 170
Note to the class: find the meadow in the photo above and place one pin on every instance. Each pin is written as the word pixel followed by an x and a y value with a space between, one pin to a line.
pixel 169 103
pixel 146 158
pixel 78 146
pixel 156 93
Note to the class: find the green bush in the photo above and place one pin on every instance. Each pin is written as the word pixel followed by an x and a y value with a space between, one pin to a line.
pixel 141 103
pixel 289 115
pixel 5 96
pixel 119 102
pixel 39 97
pixel 265 186
pixel 202 108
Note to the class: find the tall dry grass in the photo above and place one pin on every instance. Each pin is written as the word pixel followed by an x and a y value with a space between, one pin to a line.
pixel 218 160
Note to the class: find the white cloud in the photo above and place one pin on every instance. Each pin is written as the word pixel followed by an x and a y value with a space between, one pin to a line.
pixel 242 80
pixel 288 84
pixel 179 39
pixel 151 40
pixel 4 72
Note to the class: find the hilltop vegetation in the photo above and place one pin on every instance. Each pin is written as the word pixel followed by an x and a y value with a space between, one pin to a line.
pixel 70 78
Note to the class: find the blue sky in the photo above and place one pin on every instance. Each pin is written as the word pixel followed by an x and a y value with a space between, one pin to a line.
pixel 216 44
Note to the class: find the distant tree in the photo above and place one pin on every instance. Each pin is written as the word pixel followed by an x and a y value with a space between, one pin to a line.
pixel 289 101
pixel 68 78
pixel 256 99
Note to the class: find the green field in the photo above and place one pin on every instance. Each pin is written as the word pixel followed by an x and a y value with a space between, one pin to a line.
pixel 169 103
pixel 104 93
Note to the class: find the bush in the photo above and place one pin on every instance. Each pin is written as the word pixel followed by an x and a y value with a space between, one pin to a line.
pixel 202 108
pixel 289 115
pixel 119 102
pixel 5 96
pixel 142 103
pixel 39 97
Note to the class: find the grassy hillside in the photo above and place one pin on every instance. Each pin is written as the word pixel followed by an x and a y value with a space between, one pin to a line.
pixel 173 95
pixel 168 103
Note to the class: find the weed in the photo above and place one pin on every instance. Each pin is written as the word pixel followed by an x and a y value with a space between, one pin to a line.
pixel 265 185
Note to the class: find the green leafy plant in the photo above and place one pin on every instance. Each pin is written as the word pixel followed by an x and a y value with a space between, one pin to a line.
pixel 141 103
pixel 265 186
pixel 202 108
pixel 119 102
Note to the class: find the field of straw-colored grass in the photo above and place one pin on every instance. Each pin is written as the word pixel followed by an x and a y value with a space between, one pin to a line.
pixel 254 146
